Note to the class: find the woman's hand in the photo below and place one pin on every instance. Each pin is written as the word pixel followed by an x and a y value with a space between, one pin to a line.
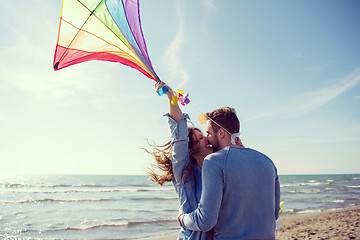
pixel 180 217
pixel 239 143
pixel 159 85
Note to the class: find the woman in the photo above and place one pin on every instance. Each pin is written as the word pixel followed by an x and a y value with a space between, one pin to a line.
pixel 180 161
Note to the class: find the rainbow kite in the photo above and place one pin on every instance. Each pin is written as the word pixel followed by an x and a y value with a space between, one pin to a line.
pixel 108 30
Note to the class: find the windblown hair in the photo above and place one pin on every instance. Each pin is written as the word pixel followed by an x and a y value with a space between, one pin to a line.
pixel 226 118
pixel 161 171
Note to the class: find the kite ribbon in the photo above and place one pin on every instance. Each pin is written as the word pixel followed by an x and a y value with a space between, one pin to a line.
pixel 180 97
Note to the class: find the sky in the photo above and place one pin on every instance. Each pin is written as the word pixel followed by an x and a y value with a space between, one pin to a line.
pixel 291 69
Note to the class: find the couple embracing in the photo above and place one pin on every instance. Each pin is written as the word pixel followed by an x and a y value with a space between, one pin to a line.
pixel 225 191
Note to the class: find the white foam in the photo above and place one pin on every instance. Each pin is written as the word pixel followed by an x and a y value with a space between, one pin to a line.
pixel 309 211
pixel 336 201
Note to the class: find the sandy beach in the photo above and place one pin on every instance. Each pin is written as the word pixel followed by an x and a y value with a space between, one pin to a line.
pixel 339 224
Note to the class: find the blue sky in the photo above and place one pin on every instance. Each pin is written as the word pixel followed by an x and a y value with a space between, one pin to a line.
pixel 291 69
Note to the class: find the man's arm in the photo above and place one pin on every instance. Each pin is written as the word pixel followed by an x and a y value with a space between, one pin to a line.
pixel 205 216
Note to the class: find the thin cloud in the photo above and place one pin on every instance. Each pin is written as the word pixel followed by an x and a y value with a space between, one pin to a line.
pixel 310 141
pixel 172 58
pixel 320 97
pixel 209 5
pixel 172 55
pixel 347 133
pixel 210 8
pixel 296 55
pixel 312 100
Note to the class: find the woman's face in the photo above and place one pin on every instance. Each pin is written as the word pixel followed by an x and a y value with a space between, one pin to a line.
pixel 201 144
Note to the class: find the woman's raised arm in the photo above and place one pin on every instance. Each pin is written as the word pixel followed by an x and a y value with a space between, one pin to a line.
pixel 174 110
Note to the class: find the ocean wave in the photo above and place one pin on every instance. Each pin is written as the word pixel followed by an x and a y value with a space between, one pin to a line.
pixel 153 198
pixel 305 184
pixel 289 185
pixel 155 189
pixel 15 185
pixel 309 211
pixel 353 199
pixel 132 223
pixel 314 191
pixel 55 200
pixel 314 183
pixel 18 185
pixel 292 211
pixel 40 191
pixel 138 185
pixel 115 224
pixel 303 211
pixel 15 234
pixel 288 210
pixel 118 224
pixel 335 201
pixel 80 185
pixel 353 186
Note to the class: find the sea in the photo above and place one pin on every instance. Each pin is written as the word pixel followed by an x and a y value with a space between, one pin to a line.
pixel 132 207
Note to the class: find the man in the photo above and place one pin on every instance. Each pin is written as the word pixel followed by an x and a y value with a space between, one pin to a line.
pixel 240 187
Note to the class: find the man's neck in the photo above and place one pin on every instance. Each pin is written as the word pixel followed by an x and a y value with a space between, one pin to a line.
pixel 229 144
pixel 225 144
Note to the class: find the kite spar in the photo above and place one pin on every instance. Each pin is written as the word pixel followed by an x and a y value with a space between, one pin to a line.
pixel 107 30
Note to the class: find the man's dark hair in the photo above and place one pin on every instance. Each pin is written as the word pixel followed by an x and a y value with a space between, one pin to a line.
pixel 226 118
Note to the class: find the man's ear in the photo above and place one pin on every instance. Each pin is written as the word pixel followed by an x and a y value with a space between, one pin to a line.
pixel 221 133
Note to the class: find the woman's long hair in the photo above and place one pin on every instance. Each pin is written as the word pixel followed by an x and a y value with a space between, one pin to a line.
pixel 161 171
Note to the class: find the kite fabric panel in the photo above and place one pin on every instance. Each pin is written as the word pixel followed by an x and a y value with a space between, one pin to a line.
pixel 108 30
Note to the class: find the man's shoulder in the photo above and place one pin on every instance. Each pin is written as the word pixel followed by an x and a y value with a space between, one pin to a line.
pixel 217 158
pixel 230 150
pixel 254 155
pixel 219 154
pixel 239 150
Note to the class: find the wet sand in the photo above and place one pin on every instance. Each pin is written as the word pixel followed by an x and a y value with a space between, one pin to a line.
pixel 340 224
